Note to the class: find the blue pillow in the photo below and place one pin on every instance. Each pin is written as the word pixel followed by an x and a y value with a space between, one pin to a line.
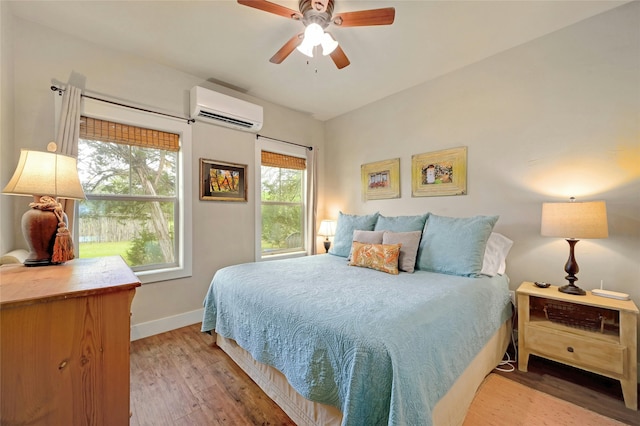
pixel 401 223
pixel 453 245
pixel 348 223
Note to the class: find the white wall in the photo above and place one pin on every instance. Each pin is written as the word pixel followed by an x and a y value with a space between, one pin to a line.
pixel 7 162
pixel 223 233
pixel 553 118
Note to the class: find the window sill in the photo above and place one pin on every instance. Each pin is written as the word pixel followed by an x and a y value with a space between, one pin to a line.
pixel 284 256
pixel 167 274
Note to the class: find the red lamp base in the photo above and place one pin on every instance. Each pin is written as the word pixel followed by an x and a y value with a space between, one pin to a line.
pixel 39 228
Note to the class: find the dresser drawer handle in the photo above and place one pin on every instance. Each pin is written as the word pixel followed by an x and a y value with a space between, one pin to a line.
pixel 570 349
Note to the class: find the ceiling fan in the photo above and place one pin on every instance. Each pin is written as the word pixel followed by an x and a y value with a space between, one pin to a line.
pixel 317 15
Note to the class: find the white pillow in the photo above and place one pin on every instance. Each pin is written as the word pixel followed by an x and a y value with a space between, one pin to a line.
pixel 495 254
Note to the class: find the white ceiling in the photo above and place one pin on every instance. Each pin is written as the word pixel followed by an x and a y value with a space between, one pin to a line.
pixel 223 41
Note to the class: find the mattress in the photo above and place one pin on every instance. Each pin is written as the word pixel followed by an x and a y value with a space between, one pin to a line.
pixel 382 349
pixel 450 410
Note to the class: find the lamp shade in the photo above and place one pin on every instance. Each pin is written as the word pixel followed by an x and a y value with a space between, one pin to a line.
pixel 45 173
pixel 576 220
pixel 327 228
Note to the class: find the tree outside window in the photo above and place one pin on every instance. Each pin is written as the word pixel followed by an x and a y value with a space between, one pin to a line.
pixel 283 203
pixel 131 191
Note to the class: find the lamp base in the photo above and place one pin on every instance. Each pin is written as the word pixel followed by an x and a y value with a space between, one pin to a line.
pixel 571 268
pixel 39 228
pixel 327 245
pixel 35 262
pixel 572 289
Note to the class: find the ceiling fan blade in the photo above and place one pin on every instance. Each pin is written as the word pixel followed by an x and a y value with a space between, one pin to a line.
pixel 272 8
pixel 363 18
pixel 339 58
pixel 286 50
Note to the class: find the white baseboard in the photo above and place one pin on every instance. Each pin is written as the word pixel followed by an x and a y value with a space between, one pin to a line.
pixel 151 328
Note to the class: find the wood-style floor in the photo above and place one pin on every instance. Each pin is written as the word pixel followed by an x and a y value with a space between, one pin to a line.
pixel 181 378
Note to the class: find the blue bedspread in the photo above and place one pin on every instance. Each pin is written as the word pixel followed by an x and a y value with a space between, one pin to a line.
pixel 382 348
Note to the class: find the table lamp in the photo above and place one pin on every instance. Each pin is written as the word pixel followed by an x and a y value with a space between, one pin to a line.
pixel 574 221
pixel 327 229
pixel 46 176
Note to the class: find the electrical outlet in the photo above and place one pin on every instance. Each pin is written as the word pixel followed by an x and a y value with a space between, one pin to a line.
pixel 513 297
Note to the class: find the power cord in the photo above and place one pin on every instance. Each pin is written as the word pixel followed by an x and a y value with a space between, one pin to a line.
pixel 514 342
pixel 507 365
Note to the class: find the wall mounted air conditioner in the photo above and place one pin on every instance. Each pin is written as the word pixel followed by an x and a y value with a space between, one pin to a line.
pixel 223 110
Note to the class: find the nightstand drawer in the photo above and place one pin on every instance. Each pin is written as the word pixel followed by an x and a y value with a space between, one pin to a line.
pixel 576 350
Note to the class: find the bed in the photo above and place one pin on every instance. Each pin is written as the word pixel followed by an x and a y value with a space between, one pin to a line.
pixel 336 344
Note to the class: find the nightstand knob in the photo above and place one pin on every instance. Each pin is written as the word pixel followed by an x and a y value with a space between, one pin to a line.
pixel 570 349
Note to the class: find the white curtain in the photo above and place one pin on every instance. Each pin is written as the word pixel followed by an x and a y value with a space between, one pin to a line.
pixel 312 190
pixel 68 133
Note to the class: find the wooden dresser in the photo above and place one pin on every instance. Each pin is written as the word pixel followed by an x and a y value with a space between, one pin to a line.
pixel 64 345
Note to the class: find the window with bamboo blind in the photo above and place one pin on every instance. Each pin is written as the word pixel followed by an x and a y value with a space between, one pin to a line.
pixel 283 203
pixel 129 175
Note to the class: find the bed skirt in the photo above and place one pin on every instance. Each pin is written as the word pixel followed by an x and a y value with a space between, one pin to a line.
pixel 450 410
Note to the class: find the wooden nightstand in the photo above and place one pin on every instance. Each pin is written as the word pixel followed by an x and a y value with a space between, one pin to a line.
pixel 590 332
pixel 64 344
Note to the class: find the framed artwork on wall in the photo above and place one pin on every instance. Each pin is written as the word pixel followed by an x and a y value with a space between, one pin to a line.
pixel 380 180
pixel 439 173
pixel 221 181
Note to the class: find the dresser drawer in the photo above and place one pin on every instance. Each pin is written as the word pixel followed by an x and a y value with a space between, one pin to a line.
pixel 576 350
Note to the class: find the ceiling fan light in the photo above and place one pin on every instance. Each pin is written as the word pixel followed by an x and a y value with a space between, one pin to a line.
pixel 306 48
pixel 313 34
pixel 328 44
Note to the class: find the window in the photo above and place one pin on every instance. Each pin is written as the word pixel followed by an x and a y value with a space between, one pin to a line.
pixel 282 202
pixel 132 176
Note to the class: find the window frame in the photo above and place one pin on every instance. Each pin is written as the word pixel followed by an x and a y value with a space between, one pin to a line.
pixel 105 111
pixel 286 149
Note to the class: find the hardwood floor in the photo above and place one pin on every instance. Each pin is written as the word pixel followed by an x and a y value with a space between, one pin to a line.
pixel 180 378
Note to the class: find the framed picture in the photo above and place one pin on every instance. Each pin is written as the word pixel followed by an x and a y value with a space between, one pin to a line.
pixel 381 180
pixel 220 181
pixel 439 173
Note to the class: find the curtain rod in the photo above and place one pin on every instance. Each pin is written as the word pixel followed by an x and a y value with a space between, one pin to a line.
pixel 188 120
pixel 310 148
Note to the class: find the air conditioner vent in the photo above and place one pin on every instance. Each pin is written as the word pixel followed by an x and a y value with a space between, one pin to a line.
pixel 224 110
pixel 214 116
